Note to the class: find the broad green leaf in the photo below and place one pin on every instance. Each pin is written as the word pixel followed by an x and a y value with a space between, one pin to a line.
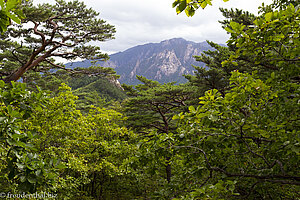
pixel 229 30
pixel 60 166
pixel 9 109
pixel 19 13
pixel 213 117
pixel 268 16
pixel 181 7
pixel 14 18
pixel 32 180
pixel 2 4
pixel 273 75
pixel 295 149
pixel 20 166
pixel 175 3
pixel 38 173
pixel 51 175
pixel 192 109
pixel 190 11
pixel 11 142
pixel 203 4
pixel 235 26
pixel 10 4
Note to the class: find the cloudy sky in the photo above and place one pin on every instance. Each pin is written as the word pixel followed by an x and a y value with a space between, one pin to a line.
pixel 143 21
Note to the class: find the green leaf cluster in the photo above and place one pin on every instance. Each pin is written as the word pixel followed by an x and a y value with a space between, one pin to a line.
pixel 93 147
pixel 245 130
pixel 10 10
pixel 21 161
pixel 190 6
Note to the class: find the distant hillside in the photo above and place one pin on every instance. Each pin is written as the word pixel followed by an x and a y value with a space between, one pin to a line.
pixel 95 91
pixel 165 62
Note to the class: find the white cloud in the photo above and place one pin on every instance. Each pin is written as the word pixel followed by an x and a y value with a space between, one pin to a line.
pixel 142 21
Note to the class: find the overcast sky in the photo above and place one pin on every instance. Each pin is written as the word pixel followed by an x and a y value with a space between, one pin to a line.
pixel 143 21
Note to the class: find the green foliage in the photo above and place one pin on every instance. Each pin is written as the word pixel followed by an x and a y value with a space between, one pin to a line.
pixel 243 140
pixel 9 11
pixel 95 91
pixel 190 6
pixel 238 16
pixel 216 75
pixel 152 105
pixel 249 136
pixel 149 109
pixel 48 145
pixel 271 43
pixel 93 147
pixel 62 30
pixel 19 155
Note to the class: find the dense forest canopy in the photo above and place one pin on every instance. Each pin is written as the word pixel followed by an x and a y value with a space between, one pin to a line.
pixel 230 132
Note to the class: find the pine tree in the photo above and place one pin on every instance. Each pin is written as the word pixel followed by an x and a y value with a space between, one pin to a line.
pixel 63 30
pixel 151 107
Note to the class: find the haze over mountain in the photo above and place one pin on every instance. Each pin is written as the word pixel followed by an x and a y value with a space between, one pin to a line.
pixel 164 62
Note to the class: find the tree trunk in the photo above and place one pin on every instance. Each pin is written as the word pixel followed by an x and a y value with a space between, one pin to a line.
pixel 168 169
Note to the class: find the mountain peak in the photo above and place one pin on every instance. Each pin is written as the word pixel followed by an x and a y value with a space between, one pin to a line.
pixel 174 41
pixel 164 62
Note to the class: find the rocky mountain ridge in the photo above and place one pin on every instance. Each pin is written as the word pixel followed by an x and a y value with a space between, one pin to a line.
pixel 164 62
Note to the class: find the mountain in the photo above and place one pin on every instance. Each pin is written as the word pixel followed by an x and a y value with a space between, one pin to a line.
pixel 95 91
pixel 164 62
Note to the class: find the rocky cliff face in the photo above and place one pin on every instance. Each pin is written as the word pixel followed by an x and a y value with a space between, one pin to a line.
pixel 164 62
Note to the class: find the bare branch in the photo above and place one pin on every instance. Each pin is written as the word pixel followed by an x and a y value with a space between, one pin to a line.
pixel 203 152
pixel 261 156
pixel 58 66
pixel 38 32
pixel 68 55
pixel 280 165
pixel 251 190
pixel 64 44
pixel 269 178
pixel 55 27
pixel 209 177
pixel 292 180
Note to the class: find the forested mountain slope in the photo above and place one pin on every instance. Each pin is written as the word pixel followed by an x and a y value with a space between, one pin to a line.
pixel 95 91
